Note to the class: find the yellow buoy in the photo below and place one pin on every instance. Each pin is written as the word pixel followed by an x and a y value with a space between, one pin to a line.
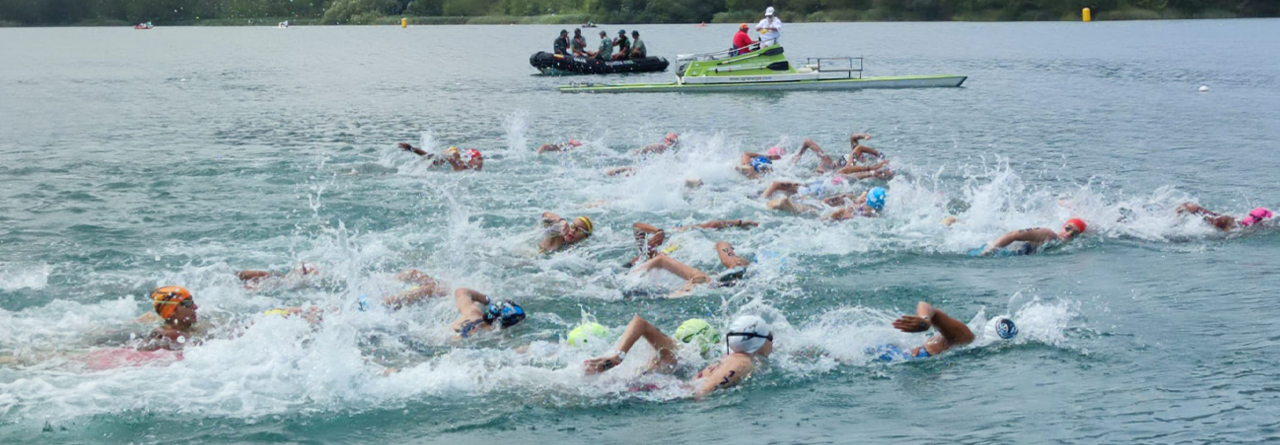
pixel 404 22
pixel 1087 15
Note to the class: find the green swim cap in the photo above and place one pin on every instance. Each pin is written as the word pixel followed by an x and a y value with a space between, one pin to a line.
pixel 697 329
pixel 587 333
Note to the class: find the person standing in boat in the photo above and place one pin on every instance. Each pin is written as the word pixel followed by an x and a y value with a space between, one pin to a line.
pixel 623 45
pixel 638 51
pixel 579 43
pixel 561 44
pixel 742 41
pixel 769 28
pixel 606 48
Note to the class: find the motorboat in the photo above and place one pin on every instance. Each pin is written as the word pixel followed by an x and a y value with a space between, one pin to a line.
pixel 569 64
pixel 767 69
pixel 147 25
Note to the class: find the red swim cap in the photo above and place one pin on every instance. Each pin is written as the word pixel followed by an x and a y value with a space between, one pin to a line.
pixel 1076 223
pixel 474 154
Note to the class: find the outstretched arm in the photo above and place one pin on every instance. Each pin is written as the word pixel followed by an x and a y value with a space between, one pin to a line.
pixel 851 169
pixel 637 329
pixel 1035 235
pixel 409 148
pixel 466 300
pixel 722 224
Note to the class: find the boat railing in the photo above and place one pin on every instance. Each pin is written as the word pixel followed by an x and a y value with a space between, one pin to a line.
pixel 851 66
pixel 718 55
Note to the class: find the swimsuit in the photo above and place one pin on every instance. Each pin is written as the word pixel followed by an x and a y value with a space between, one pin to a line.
pixel 888 353
pixel 468 326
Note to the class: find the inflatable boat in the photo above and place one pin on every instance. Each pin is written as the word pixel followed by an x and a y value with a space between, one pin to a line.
pixel 561 64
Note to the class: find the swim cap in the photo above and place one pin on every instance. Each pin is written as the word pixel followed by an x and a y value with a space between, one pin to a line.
pixel 587 333
pixel 506 312
pixel 747 334
pixel 672 138
pixel 761 163
pixel 744 27
pixel 586 222
pixel 698 330
pixel 280 312
pixel 473 154
pixel 166 299
pixel 1002 327
pixel 875 198
pixel 776 151
pixel 451 150
pixel 575 143
pixel 1255 216
pixel 1076 223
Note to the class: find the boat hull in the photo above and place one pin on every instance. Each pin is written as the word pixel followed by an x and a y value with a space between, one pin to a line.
pixel 552 64
pixel 941 81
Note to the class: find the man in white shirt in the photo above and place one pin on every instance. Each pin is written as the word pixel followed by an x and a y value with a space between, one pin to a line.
pixel 769 28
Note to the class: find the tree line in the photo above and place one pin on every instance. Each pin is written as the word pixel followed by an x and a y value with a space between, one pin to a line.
pixel 64 12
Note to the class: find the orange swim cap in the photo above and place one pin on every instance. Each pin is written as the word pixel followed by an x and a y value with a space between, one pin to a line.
pixel 166 299
pixel 1076 223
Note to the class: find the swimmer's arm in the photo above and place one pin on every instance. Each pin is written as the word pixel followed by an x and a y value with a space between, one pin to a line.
pixel 1193 208
pixel 724 224
pixel 841 215
pixel 684 289
pixel 721 376
pixel 852 169
pixel 254 275
pixel 1036 235
pixel 747 157
pixel 548 147
pixel 637 329
pixel 646 228
pixel 466 300
pixel 549 218
pixel 951 332
pixel 409 148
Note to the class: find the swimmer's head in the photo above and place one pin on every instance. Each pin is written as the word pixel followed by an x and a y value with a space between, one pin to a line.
pixel 587 333
pixel 575 143
pixel 1256 216
pixel 584 225
pixel 776 151
pixel 1000 328
pixel 1074 227
pixel 505 312
pixel 473 158
pixel 698 331
pixel 749 334
pixel 761 164
pixel 671 139
pixel 174 304
pixel 875 198
pixel 452 150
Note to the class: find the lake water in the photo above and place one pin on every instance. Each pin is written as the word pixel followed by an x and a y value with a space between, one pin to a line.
pixel 133 159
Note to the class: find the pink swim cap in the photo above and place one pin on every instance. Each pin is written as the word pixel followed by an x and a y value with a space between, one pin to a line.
pixel 1255 216
pixel 776 151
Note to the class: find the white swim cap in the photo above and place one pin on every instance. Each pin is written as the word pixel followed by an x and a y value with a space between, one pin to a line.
pixel 1000 328
pixel 748 334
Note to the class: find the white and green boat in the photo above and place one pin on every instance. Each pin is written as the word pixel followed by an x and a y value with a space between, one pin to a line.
pixel 767 70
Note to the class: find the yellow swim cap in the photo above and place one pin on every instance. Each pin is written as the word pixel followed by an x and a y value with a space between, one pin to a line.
pixel 586 222
pixel 587 333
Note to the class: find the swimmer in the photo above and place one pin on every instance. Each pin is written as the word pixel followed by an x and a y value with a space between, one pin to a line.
pixel 1035 239
pixel 951 333
pixel 255 278
pixel 847 165
pixel 1225 222
pixel 753 165
pixel 649 238
pixel 867 205
pixel 736 265
pixel 572 144
pixel 562 233
pixel 671 142
pixel 749 338
pixel 472 320
pixel 423 287
pixel 458 160
pixel 178 312
pixel 692 330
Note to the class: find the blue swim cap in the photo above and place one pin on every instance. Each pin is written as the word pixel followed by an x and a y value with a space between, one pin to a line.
pixel 1005 328
pixel 761 163
pixel 875 198
pixel 506 312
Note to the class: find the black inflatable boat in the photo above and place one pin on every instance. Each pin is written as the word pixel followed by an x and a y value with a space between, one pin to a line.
pixel 557 64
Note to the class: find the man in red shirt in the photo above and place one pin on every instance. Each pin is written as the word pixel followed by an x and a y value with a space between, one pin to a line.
pixel 741 41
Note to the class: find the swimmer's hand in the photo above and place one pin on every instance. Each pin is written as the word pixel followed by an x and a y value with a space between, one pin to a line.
pixel 601 364
pixel 911 323
pixel 405 146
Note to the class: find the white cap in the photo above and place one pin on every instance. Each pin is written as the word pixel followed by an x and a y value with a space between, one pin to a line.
pixel 768 11
pixel 755 328
pixel 999 328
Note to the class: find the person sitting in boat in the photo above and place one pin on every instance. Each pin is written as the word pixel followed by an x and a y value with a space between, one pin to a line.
pixel 561 44
pixel 770 28
pixel 458 160
pixel 742 41
pixel 606 47
pixel 579 43
pixel 638 51
pixel 623 45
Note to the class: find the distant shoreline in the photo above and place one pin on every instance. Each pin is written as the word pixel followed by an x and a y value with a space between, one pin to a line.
pixel 578 20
